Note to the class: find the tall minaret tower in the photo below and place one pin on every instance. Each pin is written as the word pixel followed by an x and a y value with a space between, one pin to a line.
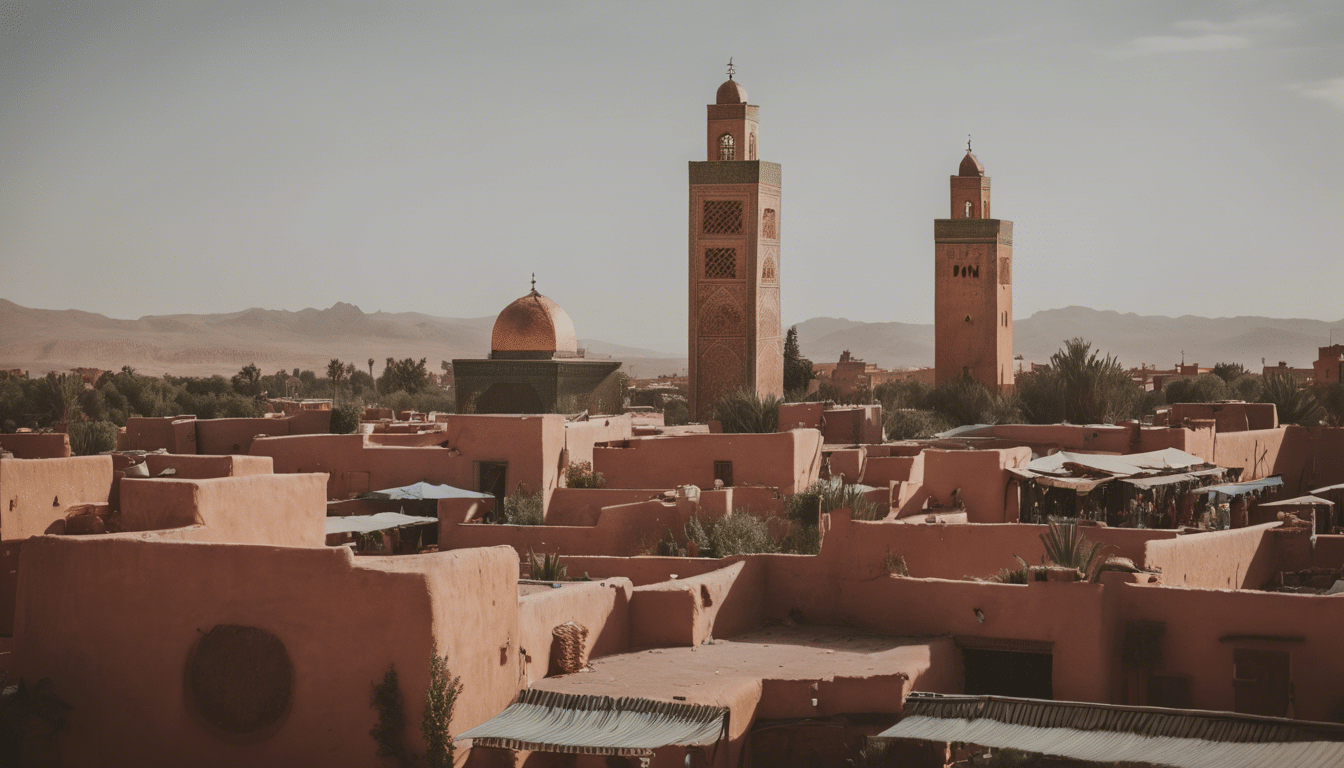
pixel 973 285
pixel 734 331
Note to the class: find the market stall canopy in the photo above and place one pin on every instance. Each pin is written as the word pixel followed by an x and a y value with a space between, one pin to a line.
pixel 1300 501
pixel 423 491
pixel 1084 471
pixel 1114 734
pixel 550 721
pixel 1244 488
pixel 383 521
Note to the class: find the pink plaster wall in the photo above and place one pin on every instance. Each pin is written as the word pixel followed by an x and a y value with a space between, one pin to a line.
pixel 387 611
pixel 1328 551
pixel 982 477
pixel 881 470
pixel 279 510
pixel 602 607
pixel 623 530
pixel 583 506
pixel 35 493
pixel 530 445
pixel 37 445
pixel 687 611
pixel 190 467
pixel 1228 417
pixel 580 436
pixel 805 415
pixel 176 434
pixel 1242 558
pixel 789 461
pixel 1199 641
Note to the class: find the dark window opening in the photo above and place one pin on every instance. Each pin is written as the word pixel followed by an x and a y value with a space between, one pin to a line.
pixel 493 475
pixel 1171 692
pixel 1261 682
pixel 723 470
pixel 1009 673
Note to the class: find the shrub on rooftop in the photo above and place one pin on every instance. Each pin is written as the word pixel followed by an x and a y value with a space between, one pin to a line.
pixel 741 533
pixel 745 411
pixel 580 474
pixel 345 417
pixel 523 508
pixel 89 438
pixel 826 495
pixel 914 425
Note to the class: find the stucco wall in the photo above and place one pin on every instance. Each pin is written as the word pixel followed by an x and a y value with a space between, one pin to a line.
pixel 687 611
pixel 788 461
pixel 1243 558
pixel 602 607
pixel 281 510
pixel 342 620
pixel 530 445
pixel 190 467
pixel 982 478
pixel 623 531
pixel 37 445
pixel 580 436
pixel 176 434
pixel 34 493
pixel 1205 627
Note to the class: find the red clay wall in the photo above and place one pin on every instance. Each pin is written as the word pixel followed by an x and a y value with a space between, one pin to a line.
pixel 1228 417
pixel 583 506
pixel 982 478
pixel 1205 627
pixel 280 510
pixel 602 607
pixel 176 434
pixel 343 622
pixel 34 493
pixel 788 461
pixel 805 415
pixel 687 611
pixel 621 531
pixel 201 467
pixel 37 445
pixel 221 436
pixel 580 436
pixel 1243 558
pixel 530 445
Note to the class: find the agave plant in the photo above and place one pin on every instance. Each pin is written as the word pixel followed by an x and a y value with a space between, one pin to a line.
pixel 1066 545
pixel 546 566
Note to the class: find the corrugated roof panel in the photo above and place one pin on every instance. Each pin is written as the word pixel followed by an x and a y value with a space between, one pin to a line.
pixel 550 721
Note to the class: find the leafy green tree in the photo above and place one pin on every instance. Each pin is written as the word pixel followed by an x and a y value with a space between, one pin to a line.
pixel 1229 372
pixel 406 375
pixel 248 380
pixel 797 369
pixel 1206 388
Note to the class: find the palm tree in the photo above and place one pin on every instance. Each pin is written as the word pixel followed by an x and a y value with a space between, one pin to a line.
pixel 1295 404
pixel 370 367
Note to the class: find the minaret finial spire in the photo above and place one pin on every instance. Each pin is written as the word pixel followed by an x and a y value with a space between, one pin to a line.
pixel 968 142
pixel 730 68
pixel 534 282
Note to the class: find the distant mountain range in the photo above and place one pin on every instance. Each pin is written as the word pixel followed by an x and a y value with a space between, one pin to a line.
pixel 1134 339
pixel 42 340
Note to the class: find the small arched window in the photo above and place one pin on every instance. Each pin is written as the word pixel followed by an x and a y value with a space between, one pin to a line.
pixel 727 147
pixel 968 209
pixel 751 147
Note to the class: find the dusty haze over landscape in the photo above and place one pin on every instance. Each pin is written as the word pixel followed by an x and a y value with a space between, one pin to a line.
pixel 202 345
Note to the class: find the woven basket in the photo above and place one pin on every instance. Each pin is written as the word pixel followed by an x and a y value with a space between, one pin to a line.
pixel 569 652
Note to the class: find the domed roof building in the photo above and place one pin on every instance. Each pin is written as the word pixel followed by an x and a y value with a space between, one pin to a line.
pixel 533 327
pixel 536 366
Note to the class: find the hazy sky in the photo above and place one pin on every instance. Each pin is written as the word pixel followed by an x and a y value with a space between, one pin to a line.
pixel 1159 158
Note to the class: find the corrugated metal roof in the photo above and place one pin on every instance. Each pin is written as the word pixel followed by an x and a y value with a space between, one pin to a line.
pixel 550 721
pixel 1103 733
pixel 383 521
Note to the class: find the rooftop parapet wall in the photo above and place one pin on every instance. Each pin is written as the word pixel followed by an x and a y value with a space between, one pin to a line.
pixel 277 510
pixel 789 461
pixel 175 434
pixel 1227 417
pixel 188 467
pixel 581 436
pixel 1306 457
pixel 530 445
pixel 601 607
pixel 979 478
pixel 621 531
pixel 37 445
pixel 35 493
pixel 1242 558
pixel 687 611
pixel 391 612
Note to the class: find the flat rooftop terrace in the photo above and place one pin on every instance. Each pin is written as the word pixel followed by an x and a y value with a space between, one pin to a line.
pixel 717 672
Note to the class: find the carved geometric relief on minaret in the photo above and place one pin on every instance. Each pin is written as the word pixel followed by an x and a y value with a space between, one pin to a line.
pixel 769 264
pixel 769 371
pixel 767 313
pixel 721 217
pixel 722 310
pixel 721 369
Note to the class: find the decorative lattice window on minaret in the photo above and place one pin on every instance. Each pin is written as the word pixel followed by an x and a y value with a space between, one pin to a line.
pixel 727 147
pixel 770 224
pixel 722 217
pixel 720 263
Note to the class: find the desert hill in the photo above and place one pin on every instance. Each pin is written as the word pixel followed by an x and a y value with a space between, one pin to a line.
pixel 40 340
pixel 1135 339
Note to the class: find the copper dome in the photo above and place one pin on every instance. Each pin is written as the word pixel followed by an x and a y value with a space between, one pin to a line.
pixel 731 92
pixel 534 325
pixel 970 166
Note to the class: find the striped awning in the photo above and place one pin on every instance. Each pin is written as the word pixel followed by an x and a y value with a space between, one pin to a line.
pixel 550 721
pixel 1110 734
